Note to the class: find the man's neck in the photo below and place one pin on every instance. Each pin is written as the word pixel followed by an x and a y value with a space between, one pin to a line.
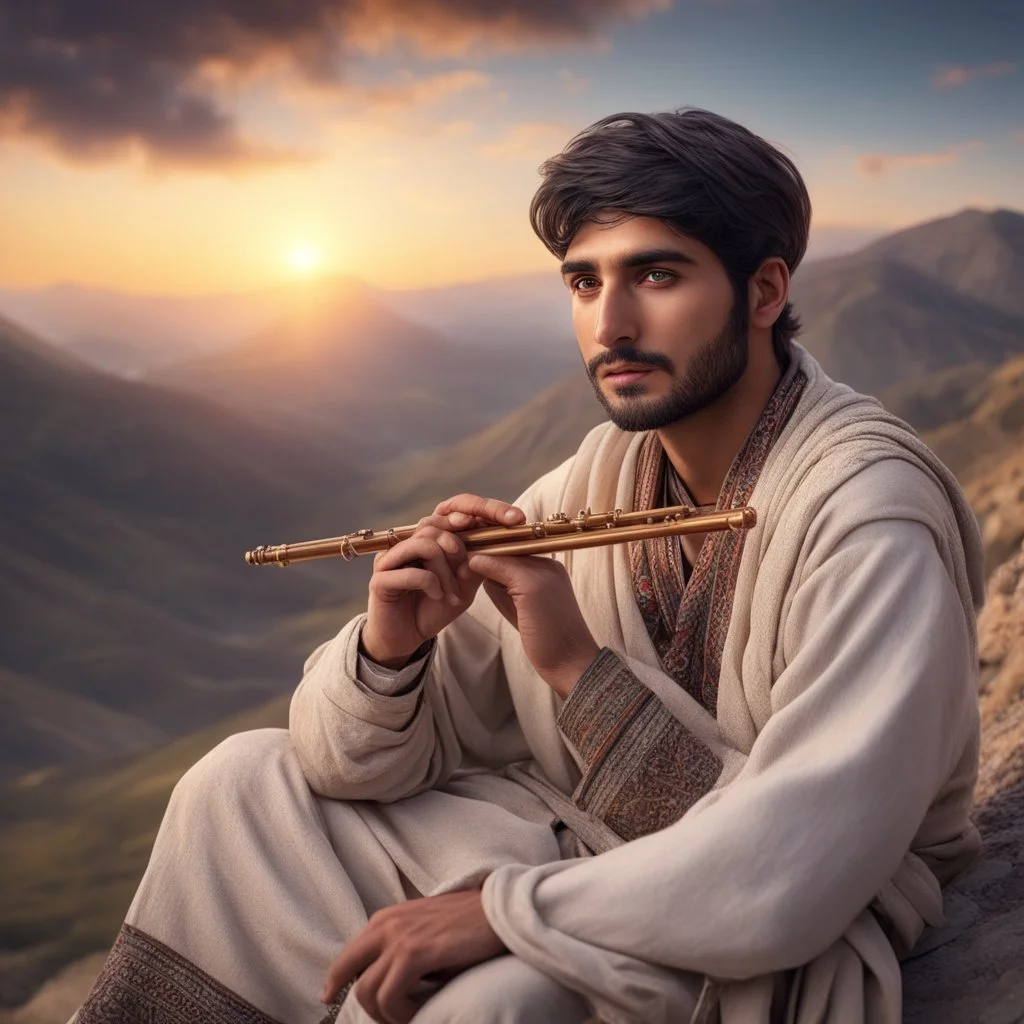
pixel 703 446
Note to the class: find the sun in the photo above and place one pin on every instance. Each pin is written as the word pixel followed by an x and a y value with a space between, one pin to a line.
pixel 303 259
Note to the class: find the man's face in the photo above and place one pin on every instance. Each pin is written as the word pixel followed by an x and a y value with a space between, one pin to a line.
pixel 661 336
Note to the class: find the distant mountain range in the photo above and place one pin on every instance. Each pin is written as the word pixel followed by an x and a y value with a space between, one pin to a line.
pixel 348 371
pixel 132 335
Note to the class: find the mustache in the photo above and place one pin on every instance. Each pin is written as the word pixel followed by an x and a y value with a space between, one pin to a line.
pixel 626 354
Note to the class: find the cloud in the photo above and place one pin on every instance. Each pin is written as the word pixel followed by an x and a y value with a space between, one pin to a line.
pixel 409 91
pixel 573 83
pixel 529 141
pixel 874 165
pixel 952 78
pixel 96 80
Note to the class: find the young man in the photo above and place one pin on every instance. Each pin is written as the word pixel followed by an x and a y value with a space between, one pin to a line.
pixel 716 778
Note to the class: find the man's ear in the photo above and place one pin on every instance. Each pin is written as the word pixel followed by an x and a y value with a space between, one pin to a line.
pixel 769 292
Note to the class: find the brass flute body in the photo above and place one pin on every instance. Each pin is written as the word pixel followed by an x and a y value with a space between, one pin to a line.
pixel 558 532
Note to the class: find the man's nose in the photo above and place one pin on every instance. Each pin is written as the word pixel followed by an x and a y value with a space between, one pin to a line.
pixel 616 319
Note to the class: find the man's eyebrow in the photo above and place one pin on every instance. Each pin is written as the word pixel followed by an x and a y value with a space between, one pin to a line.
pixel 641 258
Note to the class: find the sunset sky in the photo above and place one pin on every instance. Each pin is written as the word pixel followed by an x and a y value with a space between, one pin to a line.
pixel 225 145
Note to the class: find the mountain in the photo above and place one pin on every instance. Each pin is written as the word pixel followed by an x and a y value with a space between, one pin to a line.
pixel 127 509
pixel 129 334
pixel 977 253
pixel 874 323
pixel 344 369
pixel 531 311
pixel 500 460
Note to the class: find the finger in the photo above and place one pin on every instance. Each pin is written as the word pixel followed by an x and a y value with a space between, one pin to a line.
pixel 355 957
pixel 441 568
pixel 499 568
pixel 439 553
pixel 453 521
pixel 367 988
pixel 396 583
pixel 499 597
pixel 492 510
pixel 394 1001
pixel 420 547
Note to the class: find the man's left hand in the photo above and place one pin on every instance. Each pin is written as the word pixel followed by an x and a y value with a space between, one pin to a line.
pixel 535 594
pixel 432 938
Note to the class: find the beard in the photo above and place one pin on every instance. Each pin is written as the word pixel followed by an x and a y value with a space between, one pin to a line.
pixel 714 368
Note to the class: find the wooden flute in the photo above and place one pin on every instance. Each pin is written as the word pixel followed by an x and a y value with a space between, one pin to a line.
pixel 558 532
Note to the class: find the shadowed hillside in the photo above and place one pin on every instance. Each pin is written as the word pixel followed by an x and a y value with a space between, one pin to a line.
pixel 126 513
pixel 501 460
pixel 977 253
pixel 876 323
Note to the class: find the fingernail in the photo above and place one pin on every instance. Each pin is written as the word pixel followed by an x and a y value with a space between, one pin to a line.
pixel 510 515
pixel 453 599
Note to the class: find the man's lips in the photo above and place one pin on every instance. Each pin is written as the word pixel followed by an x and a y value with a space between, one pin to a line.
pixel 624 374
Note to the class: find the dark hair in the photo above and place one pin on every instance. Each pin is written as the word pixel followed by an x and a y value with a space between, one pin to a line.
pixel 708 177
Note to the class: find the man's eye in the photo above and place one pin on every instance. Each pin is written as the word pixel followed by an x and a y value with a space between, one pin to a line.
pixel 667 274
pixel 580 282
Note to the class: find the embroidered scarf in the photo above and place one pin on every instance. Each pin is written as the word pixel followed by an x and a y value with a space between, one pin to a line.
pixel 688 620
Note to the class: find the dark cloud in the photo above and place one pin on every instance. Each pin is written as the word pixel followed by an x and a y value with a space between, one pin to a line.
pixel 95 78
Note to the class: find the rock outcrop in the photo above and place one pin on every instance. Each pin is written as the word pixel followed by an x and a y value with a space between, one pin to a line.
pixel 977 975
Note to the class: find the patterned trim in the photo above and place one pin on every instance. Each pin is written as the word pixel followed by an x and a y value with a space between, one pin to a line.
pixel 642 769
pixel 145 982
pixel 599 708
pixel 688 622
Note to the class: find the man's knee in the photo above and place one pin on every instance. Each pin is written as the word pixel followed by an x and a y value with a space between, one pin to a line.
pixel 236 771
pixel 505 990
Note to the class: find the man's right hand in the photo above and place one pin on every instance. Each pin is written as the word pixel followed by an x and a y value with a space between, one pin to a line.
pixel 416 589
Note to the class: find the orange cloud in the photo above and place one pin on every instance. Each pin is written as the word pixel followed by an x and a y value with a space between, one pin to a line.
pixel 952 78
pixel 455 28
pixel 529 141
pixel 874 165
pixel 418 92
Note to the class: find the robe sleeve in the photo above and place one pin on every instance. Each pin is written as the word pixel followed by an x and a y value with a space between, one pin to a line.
pixel 391 682
pixel 875 704
pixel 641 768
pixel 356 743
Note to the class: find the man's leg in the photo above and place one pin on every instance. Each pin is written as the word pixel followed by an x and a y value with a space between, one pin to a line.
pixel 506 990
pixel 255 883
pixel 245 900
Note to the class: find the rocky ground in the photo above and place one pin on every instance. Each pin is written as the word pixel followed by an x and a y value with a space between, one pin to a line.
pixel 977 977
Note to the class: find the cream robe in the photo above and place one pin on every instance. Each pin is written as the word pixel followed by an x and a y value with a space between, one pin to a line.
pixel 847 724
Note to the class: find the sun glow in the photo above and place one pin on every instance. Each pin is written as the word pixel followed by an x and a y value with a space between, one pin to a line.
pixel 303 259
